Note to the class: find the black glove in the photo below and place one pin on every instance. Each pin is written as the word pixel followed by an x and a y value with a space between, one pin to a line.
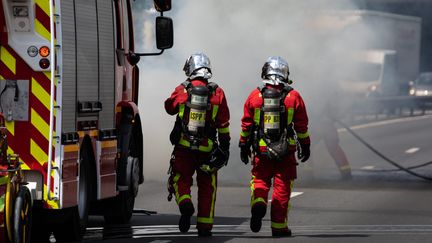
pixel 245 152
pixel 304 153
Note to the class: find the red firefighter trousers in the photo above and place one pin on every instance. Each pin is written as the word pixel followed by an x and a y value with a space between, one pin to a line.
pixel 283 174
pixel 185 164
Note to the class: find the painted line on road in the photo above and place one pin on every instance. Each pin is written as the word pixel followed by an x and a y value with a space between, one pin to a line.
pixel 171 232
pixel 368 167
pixel 387 122
pixel 412 150
pixel 293 194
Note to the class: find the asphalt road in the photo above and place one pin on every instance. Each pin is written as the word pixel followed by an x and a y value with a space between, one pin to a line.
pixel 374 206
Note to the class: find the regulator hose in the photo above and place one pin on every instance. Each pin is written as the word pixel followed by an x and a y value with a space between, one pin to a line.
pixel 406 169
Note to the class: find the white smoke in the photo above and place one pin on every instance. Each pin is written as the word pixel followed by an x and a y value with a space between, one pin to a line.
pixel 238 36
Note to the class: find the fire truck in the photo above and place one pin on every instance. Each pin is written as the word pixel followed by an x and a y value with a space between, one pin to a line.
pixel 69 95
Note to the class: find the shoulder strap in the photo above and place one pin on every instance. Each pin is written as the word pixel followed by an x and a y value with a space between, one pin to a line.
pixel 212 87
pixel 285 91
pixel 186 84
pixel 261 88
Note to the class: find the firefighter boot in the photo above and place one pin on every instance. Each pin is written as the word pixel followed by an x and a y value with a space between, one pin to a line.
pixel 186 210
pixel 204 233
pixel 281 233
pixel 258 212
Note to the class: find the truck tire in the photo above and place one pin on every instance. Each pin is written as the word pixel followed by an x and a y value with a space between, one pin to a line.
pixel 22 216
pixel 76 218
pixel 119 209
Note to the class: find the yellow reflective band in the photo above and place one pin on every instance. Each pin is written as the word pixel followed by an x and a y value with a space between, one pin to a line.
pixel 175 180
pixel 2 203
pixel 215 111
pixel 38 153
pixel 262 143
pixel 257 115
pixel 345 167
pixel 244 134
pixel 186 196
pixel 291 141
pixel 40 93
pixel 200 148
pixel 256 200
pixel 224 130
pixel 44 5
pixel 290 115
pixel 213 197
pixel 4 180
pixel 279 225
pixel 8 59
pixel 181 110
pixel 41 30
pixel 205 220
pixel 303 135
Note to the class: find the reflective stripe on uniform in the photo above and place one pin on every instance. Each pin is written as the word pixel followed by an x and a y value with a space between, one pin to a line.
pixel 303 134
pixel 256 200
pixel 223 130
pixel 181 110
pixel 202 148
pixel 204 220
pixel 290 115
pixel 213 177
pixel 291 141
pixel 177 194
pixel 257 115
pixel 244 134
pixel 215 111
pixel 345 167
pixel 185 196
pixel 253 199
pixel 275 225
pixel 4 180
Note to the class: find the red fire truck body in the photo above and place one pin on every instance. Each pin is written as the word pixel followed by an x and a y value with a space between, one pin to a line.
pixel 69 94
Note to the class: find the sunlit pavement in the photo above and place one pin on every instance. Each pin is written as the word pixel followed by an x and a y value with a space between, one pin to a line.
pixel 375 206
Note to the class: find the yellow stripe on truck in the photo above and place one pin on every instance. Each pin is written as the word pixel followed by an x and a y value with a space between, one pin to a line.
pixel 37 152
pixel 41 30
pixel 40 94
pixel 44 5
pixel 39 123
pixel 8 59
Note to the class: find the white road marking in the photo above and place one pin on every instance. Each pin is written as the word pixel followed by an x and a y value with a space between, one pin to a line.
pixel 293 194
pixel 387 122
pixel 412 150
pixel 368 167
pixel 170 233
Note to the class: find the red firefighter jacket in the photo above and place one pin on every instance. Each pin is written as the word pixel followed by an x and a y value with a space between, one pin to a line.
pixel 218 115
pixel 295 110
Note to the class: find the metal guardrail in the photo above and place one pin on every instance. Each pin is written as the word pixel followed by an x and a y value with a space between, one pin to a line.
pixel 378 108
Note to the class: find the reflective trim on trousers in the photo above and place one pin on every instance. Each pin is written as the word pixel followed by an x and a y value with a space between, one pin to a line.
pixel 275 225
pixel 204 220
pixel 179 198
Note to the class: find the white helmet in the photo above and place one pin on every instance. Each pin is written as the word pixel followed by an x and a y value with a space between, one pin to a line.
pixel 275 70
pixel 198 65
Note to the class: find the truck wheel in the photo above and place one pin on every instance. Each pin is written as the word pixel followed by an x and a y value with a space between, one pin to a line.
pixel 119 209
pixel 75 224
pixel 22 216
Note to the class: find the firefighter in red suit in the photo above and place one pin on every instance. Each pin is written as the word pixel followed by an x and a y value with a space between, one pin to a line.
pixel 201 142
pixel 274 120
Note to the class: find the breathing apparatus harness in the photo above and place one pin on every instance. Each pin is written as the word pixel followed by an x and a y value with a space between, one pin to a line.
pixel 273 127
pixel 193 124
